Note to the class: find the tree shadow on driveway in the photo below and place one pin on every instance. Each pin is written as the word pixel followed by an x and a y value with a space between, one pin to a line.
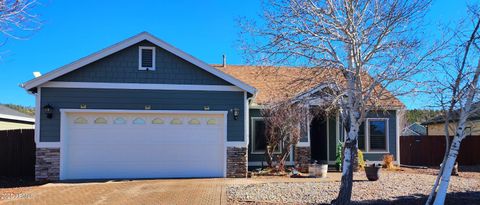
pixel 454 198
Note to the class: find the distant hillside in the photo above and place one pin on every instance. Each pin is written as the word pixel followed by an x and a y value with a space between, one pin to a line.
pixel 23 109
pixel 420 115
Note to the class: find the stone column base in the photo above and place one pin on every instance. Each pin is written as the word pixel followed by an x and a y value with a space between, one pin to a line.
pixel 237 159
pixel 302 158
pixel 47 165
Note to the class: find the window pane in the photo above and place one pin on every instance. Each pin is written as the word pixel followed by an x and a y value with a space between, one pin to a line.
pixel 304 131
pixel 378 135
pixel 361 137
pixel 260 142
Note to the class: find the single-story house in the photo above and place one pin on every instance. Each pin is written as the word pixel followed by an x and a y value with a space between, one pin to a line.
pixel 436 125
pixel 414 129
pixel 11 119
pixel 145 109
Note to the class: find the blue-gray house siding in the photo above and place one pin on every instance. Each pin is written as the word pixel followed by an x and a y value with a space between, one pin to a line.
pixel 392 129
pixel 122 67
pixel 391 115
pixel 72 98
pixel 332 136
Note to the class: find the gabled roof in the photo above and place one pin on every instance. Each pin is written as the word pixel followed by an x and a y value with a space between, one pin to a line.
pixel 455 116
pixel 11 114
pixel 278 83
pixel 124 44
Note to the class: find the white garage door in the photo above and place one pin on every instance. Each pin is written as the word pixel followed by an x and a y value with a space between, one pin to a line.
pixel 142 145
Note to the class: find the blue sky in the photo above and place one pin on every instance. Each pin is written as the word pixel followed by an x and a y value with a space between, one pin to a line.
pixel 205 29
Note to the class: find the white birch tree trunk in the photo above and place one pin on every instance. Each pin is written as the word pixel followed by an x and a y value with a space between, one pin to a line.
pixel 447 170
pixel 350 149
pixel 459 135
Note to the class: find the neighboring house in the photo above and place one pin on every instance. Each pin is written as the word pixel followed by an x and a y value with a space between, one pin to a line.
pixel 414 129
pixel 145 109
pixel 436 125
pixel 11 119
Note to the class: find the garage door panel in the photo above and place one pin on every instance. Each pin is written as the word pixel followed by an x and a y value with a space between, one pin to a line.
pixel 194 148
pixel 126 152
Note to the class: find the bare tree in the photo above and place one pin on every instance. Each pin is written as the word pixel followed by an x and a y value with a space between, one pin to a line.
pixel 283 122
pixel 17 19
pixel 455 88
pixel 369 49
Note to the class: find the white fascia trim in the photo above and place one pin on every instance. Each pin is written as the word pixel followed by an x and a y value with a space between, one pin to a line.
pixel 246 115
pixel 140 48
pixel 13 117
pixel 126 43
pixel 140 86
pixel 38 97
pixel 397 124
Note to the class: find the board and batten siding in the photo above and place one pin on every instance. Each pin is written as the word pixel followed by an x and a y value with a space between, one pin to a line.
pixel 72 98
pixel 122 67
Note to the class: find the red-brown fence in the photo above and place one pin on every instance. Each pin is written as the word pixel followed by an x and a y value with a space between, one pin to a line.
pixel 17 153
pixel 429 150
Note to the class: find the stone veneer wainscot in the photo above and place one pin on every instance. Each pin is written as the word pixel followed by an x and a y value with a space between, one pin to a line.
pixel 237 159
pixel 47 166
pixel 302 158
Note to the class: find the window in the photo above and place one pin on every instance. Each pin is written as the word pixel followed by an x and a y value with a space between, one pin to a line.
pixel 373 135
pixel 146 58
pixel 259 140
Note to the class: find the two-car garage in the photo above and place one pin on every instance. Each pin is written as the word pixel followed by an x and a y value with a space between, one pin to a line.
pixel 97 144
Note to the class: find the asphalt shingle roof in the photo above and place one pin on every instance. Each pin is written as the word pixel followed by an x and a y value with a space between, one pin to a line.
pixel 277 83
pixel 4 110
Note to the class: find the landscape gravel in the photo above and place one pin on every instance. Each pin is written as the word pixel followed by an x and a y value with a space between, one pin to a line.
pixel 391 188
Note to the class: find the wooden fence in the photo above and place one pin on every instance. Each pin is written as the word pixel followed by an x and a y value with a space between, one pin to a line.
pixel 429 150
pixel 17 153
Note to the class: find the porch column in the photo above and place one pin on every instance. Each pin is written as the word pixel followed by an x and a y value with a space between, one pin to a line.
pixel 302 152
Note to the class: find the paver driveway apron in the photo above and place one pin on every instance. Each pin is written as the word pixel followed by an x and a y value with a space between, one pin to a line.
pixel 160 191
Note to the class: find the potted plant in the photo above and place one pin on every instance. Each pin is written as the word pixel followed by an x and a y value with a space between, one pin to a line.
pixel 318 170
pixel 373 172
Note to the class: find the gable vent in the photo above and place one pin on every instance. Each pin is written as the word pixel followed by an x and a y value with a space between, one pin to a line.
pixel 146 58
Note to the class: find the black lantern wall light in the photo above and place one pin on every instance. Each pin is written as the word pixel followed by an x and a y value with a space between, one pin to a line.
pixel 48 110
pixel 236 113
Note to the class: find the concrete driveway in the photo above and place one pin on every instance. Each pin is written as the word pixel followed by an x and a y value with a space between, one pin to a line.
pixel 161 191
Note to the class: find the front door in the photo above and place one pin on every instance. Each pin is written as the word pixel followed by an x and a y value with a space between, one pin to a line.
pixel 318 139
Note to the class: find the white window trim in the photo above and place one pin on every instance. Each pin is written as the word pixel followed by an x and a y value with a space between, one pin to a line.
pixel 140 48
pixel 307 143
pixel 253 137
pixel 367 136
